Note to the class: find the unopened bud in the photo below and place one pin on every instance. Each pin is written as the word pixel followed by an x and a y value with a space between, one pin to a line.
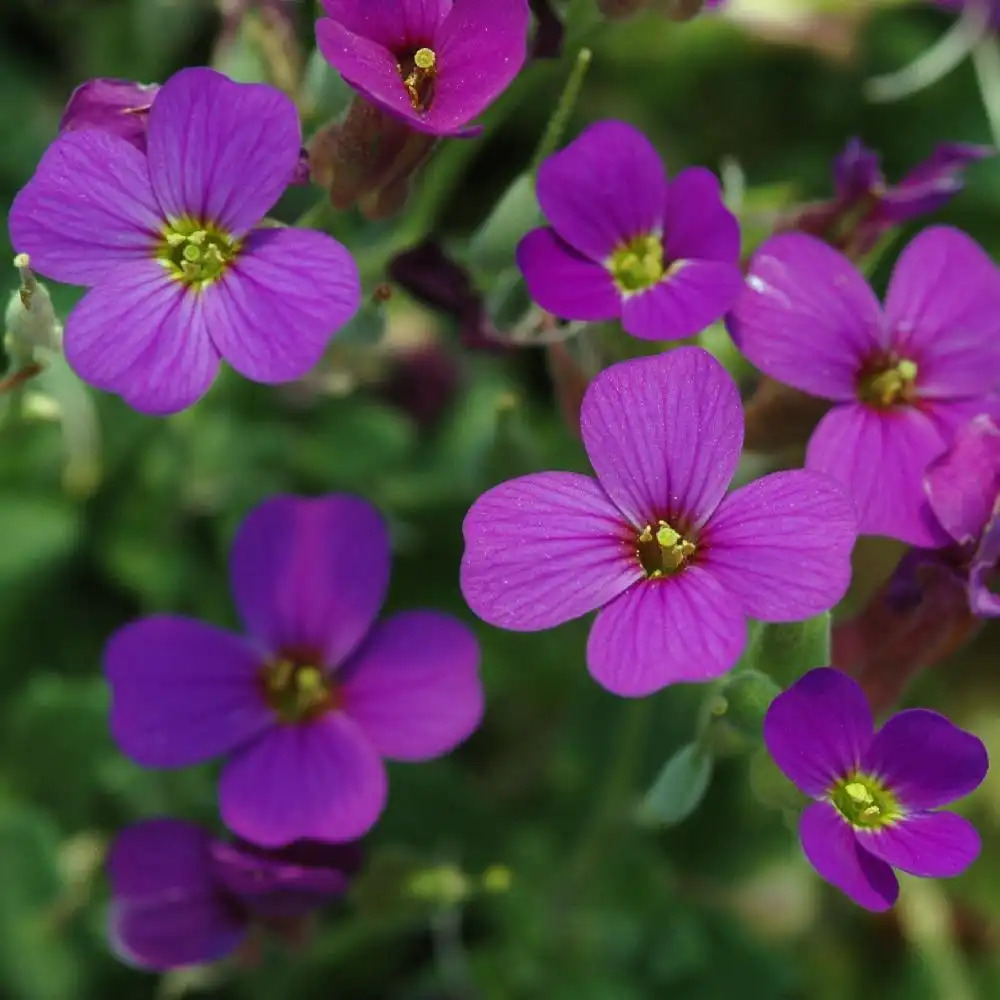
pixel 30 321
pixel 119 107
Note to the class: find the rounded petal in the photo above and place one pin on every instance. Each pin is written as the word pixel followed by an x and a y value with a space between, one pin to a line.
pixel 167 910
pixel 286 295
pixel 806 317
pixel 833 850
pixel 145 338
pixel 544 549
pixel 182 692
pixel 880 457
pixel 88 210
pixel 818 730
pixel 664 436
pixel 660 632
pixel 321 780
pixel 414 687
pixel 943 308
pixel 693 295
pixel 219 151
pixel 782 545
pixel 697 225
pixel 564 282
pixel 481 45
pixel 926 760
pixel 309 575
pixel 934 845
pixel 605 188
pixel 397 26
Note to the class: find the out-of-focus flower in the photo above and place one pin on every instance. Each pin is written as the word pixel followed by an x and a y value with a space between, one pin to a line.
pixel 119 107
pixel 991 6
pixel 674 565
pixel 627 243
pixel 435 64
pixel 902 379
pixel 876 792
pixel 308 707
pixel 181 274
pixel 181 897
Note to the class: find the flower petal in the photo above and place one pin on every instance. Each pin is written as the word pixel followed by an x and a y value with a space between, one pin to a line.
pixel 182 692
pixel 806 317
pixel 943 307
pixel 664 435
pixel 926 760
pixel 880 458
pixel 88 210
pixel 320 780
pixel 166 909
pixel 833 850
pixel 145 338
pixel 818 730
pixel 661 632
pixel 287 294
pixel 697 225
pixel 605 188
pixel 414 688
pixel 564 282
pixel 544 549
pixel 982 600
pixel 309 575
pixel 397 26
pixel 934 845
pixel 782 545
pixel 693 295
pixel 219 151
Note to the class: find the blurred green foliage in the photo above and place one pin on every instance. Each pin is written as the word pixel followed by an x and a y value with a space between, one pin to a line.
pixel 599 907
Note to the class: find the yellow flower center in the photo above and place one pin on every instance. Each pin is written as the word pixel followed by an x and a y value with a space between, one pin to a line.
pixel 888 383
pixel 865 802
pixel 418 73
pixel 638 264
pixel 299 692
pixel 196 253
pixel 662 551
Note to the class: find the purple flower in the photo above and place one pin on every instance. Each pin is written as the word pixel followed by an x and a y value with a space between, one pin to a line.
pixel 993 6
pixel 181 273
pixel 181 897
pixel 308 706
pixel 119 107
pixel 902 378
pixel 435 64
pixel 673 564
pixel 624 242
pixel 875 792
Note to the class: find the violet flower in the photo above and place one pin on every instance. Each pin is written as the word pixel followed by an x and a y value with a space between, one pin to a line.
pixel 434 64
pixel 875 792
pixel 181 273
pixel 181 897
pixel 902 378
pixel 120 107
pixel 992 6
pixel 624 242
pixel 674 566
pixel 308 706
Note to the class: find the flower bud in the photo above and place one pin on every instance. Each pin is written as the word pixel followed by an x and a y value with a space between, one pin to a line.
pixel 120 107
pixel 30 321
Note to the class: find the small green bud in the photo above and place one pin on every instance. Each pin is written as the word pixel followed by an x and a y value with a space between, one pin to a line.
pixel 30 321
pixel 747 695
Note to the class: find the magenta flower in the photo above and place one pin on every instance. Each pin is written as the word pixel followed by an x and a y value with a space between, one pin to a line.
pixel 434 64
pixel 992 6
pixel 902 378
pixel 674 565
pixel 875 792
pixel 181 273
pixel 308 706
pixel 181 897
pixel 120 107
pixel 626 243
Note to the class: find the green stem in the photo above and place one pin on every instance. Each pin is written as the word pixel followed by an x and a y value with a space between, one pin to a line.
pixel 564 108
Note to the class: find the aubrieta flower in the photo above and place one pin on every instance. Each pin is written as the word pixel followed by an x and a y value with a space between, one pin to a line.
pixel 307 708
pixel 434 64
pixel 674 565
pixel 182 897
pixel 902 379
pixel 876 792
pixel 120 107
pixel 624 242
pixel 182 274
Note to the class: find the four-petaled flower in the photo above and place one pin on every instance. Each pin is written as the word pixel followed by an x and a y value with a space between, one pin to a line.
pixel 902 379
pixel 675 566
pixel 435 64
pixel 875 792
pixel 624 242
pixel 182 274
pixel 181 897
pixel 307 708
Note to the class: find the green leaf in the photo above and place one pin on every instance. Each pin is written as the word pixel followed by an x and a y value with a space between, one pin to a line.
pixel 678 790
